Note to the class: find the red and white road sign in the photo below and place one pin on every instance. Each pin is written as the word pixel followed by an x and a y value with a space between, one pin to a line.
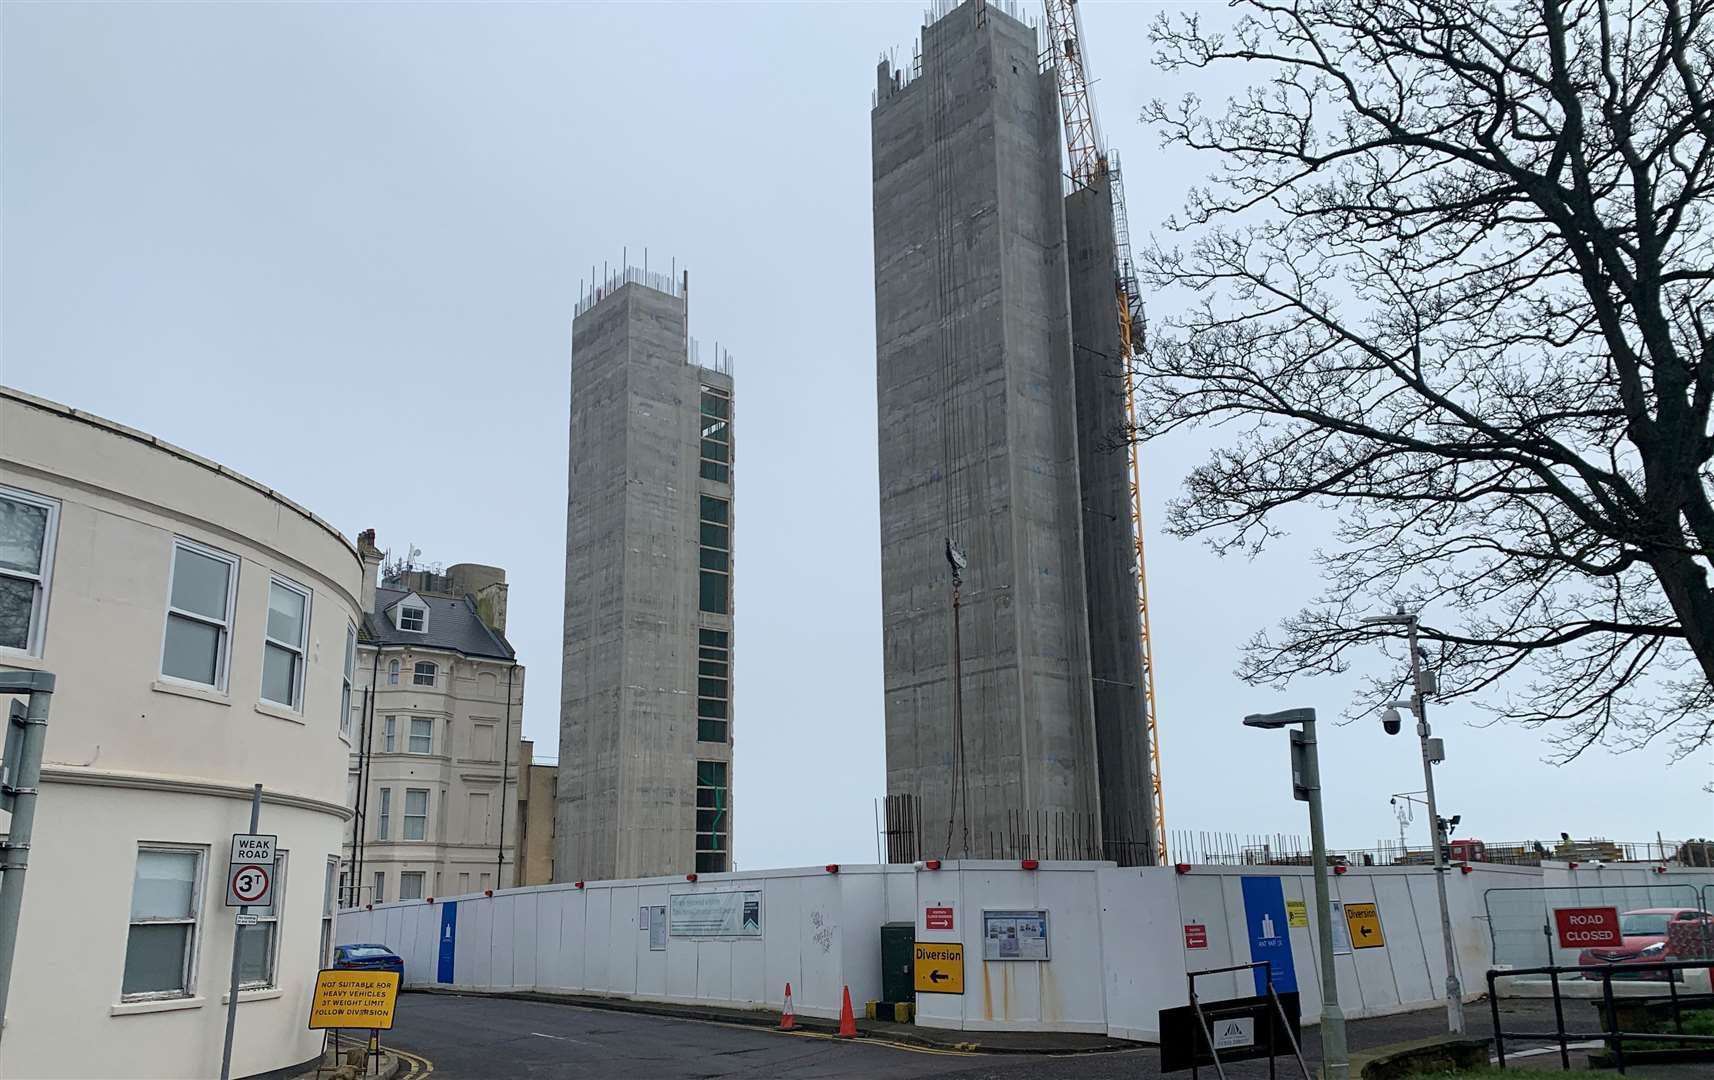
pixel 1582 927
pixel 250 873
pixel 937 918
pixel 250 884
pixel 1195 936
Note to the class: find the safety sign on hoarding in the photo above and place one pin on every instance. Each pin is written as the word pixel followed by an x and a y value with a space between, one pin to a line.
pixel 1195 936
pixel 1365 925
pixel 937 918
pixel 250 872
pixel 939 967
pixel 1582 927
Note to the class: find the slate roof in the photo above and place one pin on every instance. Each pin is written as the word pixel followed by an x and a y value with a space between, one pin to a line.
pixel 452 624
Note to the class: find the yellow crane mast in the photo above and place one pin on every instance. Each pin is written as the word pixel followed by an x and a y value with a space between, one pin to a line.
pixel 1088 165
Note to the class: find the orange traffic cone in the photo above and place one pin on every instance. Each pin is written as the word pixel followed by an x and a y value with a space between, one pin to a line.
pixel 788 1019
pixel 847 1022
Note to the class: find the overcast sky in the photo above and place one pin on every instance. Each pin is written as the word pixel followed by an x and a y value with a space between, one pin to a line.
pixel 336 247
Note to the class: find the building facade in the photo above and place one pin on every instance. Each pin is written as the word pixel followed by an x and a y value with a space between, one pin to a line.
pixel 434 775
pixel 203 633
pixel 645 757
pixel 538 785
pixel 1001 548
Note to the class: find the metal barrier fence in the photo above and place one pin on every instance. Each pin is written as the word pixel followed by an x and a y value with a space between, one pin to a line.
pixel 1612 1033
pixel 1520 920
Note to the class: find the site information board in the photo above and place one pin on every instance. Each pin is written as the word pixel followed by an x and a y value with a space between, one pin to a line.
pixel 353 999
pixel 716 914
pixel 1014 935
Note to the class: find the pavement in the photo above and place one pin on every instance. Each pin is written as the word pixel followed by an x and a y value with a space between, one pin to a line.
pixel 471 1036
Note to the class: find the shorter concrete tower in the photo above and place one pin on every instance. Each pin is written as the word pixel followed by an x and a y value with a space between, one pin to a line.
pixel 645 765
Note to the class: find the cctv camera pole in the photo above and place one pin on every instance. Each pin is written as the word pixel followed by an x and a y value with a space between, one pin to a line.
pixel 1454 994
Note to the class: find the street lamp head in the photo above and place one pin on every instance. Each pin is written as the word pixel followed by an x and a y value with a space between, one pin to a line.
pixel 1400 619
pixel 1280 719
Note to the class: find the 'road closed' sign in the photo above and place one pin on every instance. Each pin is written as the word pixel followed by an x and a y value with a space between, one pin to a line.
pixel 1582 927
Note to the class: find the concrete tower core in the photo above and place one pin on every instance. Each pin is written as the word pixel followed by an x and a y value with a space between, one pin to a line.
pixel 992 432
pixel 645 766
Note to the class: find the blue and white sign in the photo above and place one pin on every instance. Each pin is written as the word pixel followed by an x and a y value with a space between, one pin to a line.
pixel 1270 934
pixel 448 941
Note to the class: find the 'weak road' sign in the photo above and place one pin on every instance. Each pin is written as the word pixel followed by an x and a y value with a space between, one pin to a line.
pixel 250 874
pixel 940 967
pixel 1582 927
pixel 1365 924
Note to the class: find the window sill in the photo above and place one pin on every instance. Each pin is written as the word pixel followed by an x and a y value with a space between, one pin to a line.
pixel 279 712
pixel 259 993
pixel 131 1008
pixel 201 693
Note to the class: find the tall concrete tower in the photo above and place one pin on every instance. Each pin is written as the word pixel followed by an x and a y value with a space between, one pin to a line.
pixel 994 734
pixel 645 764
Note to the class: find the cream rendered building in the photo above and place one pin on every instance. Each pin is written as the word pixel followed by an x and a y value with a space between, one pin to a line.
pixel 202 629
pixel 436 793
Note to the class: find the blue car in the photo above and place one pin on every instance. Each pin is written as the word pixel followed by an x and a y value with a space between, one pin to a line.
pixel 368 958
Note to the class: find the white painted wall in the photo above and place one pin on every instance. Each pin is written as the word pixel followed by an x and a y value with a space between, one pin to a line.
pixel 133 759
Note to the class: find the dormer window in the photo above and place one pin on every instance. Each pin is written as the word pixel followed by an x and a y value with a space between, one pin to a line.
pixel 413 618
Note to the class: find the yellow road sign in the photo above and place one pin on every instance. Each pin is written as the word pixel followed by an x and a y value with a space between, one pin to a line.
pixel 1365 924
pixel 940 967
pixel 353 999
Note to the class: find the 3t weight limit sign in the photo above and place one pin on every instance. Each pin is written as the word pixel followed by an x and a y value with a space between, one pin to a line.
pixel 250 874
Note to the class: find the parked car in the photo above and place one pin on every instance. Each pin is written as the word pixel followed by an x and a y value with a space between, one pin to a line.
pixel 368 958
pixel 1644 933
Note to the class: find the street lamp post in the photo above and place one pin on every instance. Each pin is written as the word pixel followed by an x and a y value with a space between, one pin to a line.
pixel 1419 706
pixel 1306 787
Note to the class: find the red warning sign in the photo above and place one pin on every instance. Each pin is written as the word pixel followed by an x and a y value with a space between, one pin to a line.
pixel 1195 936
pixel 1581 927
pixel 937 918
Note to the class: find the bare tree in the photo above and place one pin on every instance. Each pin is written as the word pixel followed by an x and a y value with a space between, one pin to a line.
pixel 1451 278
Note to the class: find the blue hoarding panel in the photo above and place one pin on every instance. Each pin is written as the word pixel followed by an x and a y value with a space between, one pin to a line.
pixel 1270 936
pixel 448 941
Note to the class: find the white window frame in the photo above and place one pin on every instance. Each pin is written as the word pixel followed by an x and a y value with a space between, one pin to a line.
pixel 417 673
pixel 384 819
pixel 277 892
pixel 193 945
pixel 328 907
pixel 301 650
pixel 405 611
pixel 43 578
pixel 223 661
pixel 350 679
pixel 393 672
pixel 411 735
pixel 379 894
pixel 407 816
pixel 389 734
pixel 422 883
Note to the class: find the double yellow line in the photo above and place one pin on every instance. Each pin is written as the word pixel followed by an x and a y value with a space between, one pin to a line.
pixel 419 1066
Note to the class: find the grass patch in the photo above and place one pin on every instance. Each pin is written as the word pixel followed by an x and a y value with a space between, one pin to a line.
pixel 1698 1022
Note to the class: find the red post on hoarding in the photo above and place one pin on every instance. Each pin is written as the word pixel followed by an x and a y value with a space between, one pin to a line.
pixel 1584 927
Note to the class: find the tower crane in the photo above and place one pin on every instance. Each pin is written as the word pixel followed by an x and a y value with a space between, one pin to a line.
pixel 1091 164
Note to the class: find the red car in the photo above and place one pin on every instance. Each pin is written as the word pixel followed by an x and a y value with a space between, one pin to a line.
pixel 1651 935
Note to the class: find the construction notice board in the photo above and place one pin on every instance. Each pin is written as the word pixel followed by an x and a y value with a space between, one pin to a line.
pixel 940 967
pixel 1365 924
pixel 353 999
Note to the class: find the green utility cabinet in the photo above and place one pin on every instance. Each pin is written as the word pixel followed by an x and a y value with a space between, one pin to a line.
pixel 898 959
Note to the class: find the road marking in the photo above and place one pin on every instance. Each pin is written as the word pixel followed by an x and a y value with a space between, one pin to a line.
pixel 420 1066
pixel 561 1038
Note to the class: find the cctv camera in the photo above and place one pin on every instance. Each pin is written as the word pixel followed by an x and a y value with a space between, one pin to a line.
pixel 1390 721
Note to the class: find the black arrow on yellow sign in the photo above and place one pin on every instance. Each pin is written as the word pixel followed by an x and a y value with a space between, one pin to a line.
pixel 937 975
